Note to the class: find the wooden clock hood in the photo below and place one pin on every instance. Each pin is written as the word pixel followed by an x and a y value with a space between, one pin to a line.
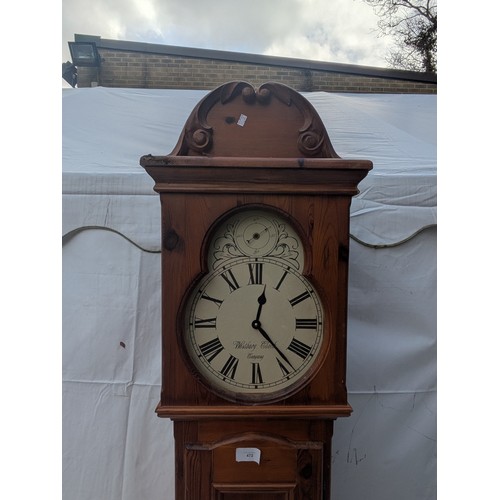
pixel 243 147
pixel 274 126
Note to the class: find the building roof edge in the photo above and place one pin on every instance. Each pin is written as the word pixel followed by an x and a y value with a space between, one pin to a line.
pixel 242 57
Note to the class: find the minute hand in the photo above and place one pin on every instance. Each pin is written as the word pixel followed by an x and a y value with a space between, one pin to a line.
pixel 257 326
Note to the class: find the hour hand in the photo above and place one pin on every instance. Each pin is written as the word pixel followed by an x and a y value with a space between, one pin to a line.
pixel 262 297
pixel 261 300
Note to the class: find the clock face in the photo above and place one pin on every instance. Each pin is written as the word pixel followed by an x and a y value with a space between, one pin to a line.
pixel 253 326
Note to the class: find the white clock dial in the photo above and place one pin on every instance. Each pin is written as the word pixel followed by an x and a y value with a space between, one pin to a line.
pixel 253 327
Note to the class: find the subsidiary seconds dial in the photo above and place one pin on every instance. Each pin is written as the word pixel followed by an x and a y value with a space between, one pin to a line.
pixel 254 328
pixel 256 235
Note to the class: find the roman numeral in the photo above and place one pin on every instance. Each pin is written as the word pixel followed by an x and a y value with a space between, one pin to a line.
pixel 306 323
pixel 284 369
pixel 230 280
pixel 296 300
pixel 211 348
pixel 299 348
pixel 229 369
pixel 256 374
pixel 255 273
pixel 281 280
pixel 218 302
pixel 204 323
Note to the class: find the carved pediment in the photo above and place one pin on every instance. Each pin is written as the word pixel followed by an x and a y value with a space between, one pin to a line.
pixel 236 120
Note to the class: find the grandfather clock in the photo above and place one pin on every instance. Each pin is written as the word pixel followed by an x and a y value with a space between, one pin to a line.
pixel 255 246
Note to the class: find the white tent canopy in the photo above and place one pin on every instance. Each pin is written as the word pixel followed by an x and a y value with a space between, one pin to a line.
pixel 114 446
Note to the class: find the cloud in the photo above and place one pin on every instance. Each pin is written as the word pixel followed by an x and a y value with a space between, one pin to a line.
pixel 328 30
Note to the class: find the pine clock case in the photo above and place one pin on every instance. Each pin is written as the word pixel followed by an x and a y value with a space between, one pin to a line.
pixel 280 158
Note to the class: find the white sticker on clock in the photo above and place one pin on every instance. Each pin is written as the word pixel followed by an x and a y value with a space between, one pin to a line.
pixel 248 455
pixel 242 120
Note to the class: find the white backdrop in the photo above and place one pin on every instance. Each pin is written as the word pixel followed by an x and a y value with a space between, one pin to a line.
pixel 114 446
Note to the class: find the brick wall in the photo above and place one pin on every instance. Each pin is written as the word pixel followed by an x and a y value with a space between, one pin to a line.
pixel 142 70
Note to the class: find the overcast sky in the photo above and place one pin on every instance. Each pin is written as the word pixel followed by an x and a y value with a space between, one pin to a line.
pixel 342 31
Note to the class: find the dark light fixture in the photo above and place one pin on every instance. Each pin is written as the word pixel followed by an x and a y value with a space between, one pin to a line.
pixel 69 73
pixel 84 54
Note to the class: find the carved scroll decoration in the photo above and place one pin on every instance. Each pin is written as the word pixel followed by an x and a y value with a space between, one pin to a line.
pixel 311 138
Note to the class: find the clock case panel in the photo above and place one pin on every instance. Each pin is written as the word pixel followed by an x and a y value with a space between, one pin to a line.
pixel 190 218
pixel 280 159
pixel 295 459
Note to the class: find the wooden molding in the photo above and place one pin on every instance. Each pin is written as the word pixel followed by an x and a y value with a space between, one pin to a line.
pixel 249 412
pixel 238 120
